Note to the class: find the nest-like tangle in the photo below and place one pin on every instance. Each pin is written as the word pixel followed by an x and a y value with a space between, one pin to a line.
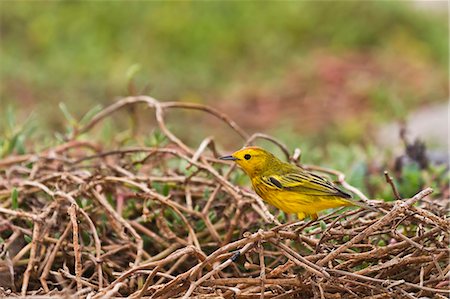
pixel 192 233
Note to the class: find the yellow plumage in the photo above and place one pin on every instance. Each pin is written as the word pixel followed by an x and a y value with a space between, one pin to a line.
pixel 288 187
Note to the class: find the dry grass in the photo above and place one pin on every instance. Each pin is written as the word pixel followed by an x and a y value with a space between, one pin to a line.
pixel 190 232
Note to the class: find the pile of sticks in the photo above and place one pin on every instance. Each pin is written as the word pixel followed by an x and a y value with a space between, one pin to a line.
pixel 167 222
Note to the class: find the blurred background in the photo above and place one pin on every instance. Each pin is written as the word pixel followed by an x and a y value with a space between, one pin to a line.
pixel 311 73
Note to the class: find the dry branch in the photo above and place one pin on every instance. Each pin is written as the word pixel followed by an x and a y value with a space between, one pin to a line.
pixel 191 232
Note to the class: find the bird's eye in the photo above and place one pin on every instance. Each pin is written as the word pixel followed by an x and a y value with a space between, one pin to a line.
pixel 247 157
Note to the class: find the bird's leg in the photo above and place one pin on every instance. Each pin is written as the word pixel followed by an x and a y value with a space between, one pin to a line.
pixel 314 216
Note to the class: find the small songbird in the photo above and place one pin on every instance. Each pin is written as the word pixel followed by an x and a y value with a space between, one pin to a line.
pixel 288 187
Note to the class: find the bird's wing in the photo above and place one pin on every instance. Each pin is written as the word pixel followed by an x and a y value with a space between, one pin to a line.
pixel 310 184
pixel 306 183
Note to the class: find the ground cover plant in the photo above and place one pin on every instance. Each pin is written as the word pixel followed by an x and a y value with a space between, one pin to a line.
pixel 160 219
pixel 319 56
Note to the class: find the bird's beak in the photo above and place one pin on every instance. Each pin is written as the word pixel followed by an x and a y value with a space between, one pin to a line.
pixel 229 158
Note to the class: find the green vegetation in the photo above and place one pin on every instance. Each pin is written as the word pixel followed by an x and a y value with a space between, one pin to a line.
pixel 64 61
pixel 369 54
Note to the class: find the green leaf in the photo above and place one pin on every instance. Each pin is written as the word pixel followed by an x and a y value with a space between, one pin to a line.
pixel 132 71
pixel 20 146
pixel 212 216
pixel 323 225
pixel 27 238
pixel 166 190
pixel 12 144
pixel 200 225
pixel 10 118
pixel 206 193
pixel 59 137
pixel 85 236
pixel 172 215
pixel 14 199
pixel 110 199
pixel 281 217
pixel 67 114
pixel 381 242
pixel 90 114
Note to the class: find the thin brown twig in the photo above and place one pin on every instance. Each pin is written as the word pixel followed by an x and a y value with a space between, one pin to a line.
pixel 50 261
pixel 262 265
pixel 33 250
pixel 147 283
pixel 398 209
pixel 391 183
pixel 76 246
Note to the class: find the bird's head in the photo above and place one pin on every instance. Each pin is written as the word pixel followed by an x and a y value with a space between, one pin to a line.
pixel 253 160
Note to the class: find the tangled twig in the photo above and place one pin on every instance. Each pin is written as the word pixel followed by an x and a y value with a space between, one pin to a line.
pixel 167 222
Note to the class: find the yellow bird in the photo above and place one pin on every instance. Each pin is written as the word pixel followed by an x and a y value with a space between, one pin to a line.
pixel 288 187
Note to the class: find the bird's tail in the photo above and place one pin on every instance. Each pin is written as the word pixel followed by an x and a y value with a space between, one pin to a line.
pixel 361 205
pixel 351 202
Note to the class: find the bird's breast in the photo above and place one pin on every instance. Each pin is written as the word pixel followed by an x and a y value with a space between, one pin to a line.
pixel 295 202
